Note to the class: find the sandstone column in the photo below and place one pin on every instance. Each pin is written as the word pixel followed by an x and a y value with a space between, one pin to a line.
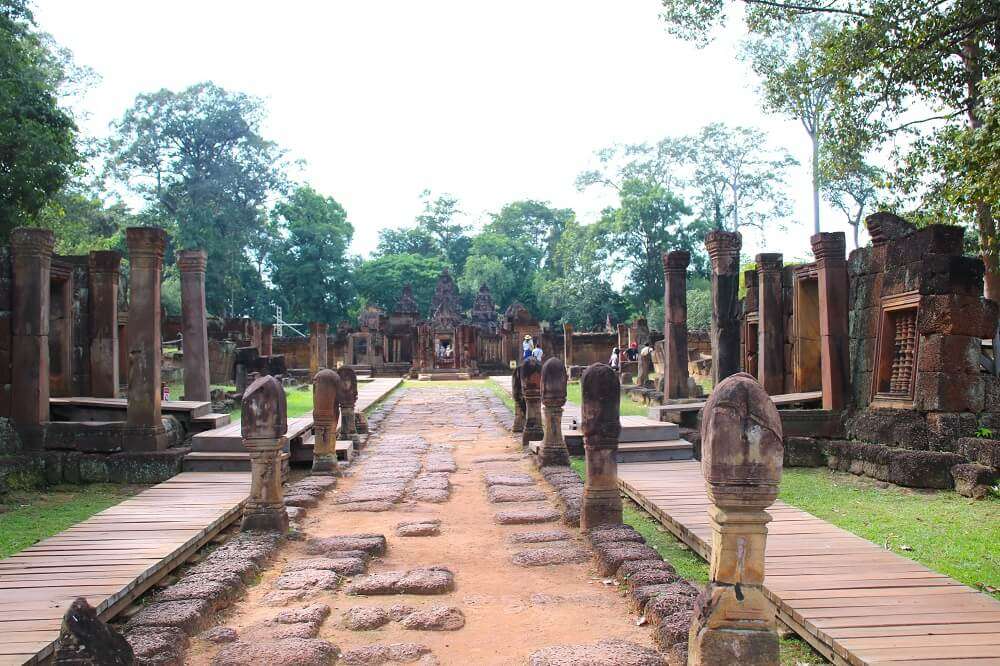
pixel 326 417
pixel 145 249
pixel 724 252
pixel 553 449
pixel 194 323
pixel 675 346
pixel 741 460
pixel 32 250
pixel 105 270
pixel 263 424
pixel 317 346
pixel 568 344
pixel 831 268
pixel 267 340
pixel 601 426
pixel 518 396
pixel 771 330
pixel 347 398
pixel 531 389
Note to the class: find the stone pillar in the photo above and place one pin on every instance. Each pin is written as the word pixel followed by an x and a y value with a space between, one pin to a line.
pixel 831 268
pixel 317 346
pixel 29 410
pixel 675 345
pixel 568 344
pixel 518 396
pixel 553 449
pixel 771 318
pixel 622 331
pixel 741 454
pixel 601 425
pixel 267 340
pixel 347 398
pixel 263 424
pixel 531 389
pixel 326 418
pixel 105 270
pixel 194 324
pixel 145 249
pixel 724 252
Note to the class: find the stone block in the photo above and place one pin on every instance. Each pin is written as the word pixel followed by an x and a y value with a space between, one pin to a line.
pixel 863 323
pixel 972 480
pixel 900 280
pixel 948 427
pixel 804 452
pixel 982 451
pixel 922 469
pixel 958 315
pixel 958 354
pixel 865 291
pixel 933 239
pixel 991 390
pixel 949 392
pixel 949 274
pixel 859 262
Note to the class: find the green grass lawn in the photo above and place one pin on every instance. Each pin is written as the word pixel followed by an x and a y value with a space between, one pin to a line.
pixel 27 517
pixel 628 407
pixel 942 530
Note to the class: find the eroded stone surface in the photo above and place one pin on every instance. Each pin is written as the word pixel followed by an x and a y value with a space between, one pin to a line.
pixel 378 654
pixel 651 577
pixel 435 618
pixel 669 603
pixel 603 653
pixel 287 652
pixel 217 594
pixel 419 529
pixel 314 614
pixel 301 500
pixel 498 494
pixel 361 618
pixel 308 579
pixel 611 555
pixel 189 616
pixel 627 569
pixel 540 557
pixel 540 536
pixel 673 629
pixel 219 635
pixel 614 533
pixel 373 507
pixel 373 544
pixel 415 581
pixel 508 479
pixel 344 566
pixel 158 645
pixel 543 514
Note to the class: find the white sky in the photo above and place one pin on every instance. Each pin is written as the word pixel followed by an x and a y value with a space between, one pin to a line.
pixel 491 102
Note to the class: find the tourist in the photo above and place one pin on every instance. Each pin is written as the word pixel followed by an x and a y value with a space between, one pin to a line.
pixel 615 361
pixel 527 347
pixel 537 353
pixel 632 353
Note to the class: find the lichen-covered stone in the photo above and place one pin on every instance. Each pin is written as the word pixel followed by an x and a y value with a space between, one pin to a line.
pixel 974 480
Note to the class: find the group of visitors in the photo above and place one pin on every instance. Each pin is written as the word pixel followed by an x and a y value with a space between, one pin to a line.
pixel 529 349
pixel 630 355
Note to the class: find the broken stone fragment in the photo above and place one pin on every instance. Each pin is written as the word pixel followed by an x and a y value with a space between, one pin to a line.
pixel 416 581
pixel 378 654
pixel 419 529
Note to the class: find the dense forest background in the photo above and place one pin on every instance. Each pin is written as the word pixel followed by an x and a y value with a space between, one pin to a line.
pixel 194 162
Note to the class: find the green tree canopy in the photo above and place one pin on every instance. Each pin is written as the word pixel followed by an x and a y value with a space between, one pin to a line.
pixel 37 136
pixel 311 273
pixel 380 281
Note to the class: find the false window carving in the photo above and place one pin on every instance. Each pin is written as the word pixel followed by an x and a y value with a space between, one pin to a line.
pixel 896 363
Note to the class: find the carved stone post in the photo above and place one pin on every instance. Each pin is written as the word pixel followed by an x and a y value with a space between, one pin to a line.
pixel 601 425
pixel 263 425
pixel 317 346
pixel 347 398
pixel 145 249
pixel 105 270
pixel 518 396
pixel 267 340
pixel 724 252
pixel 675 345
pixel 771 318
pixel 531 389
pixel 326 418
pixel 831 268
pixel 568 344
pixel 194 321
pixel 32 249
pixel 741 454
pixel 553 449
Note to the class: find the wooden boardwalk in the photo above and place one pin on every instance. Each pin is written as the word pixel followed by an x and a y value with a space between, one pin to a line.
pixel 110 558
pixel 855 602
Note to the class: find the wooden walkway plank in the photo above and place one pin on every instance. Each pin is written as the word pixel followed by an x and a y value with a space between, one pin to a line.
pixel 855 602
pixel 111 558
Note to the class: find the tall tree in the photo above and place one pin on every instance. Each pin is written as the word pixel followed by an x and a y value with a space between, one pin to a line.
pixel 37 135
pixel 439 220
pixel 311 272
pixel 197 156
pixel 380 281
pixel 852 189
pixel 532 222
pixel 903 57
pixel 795 84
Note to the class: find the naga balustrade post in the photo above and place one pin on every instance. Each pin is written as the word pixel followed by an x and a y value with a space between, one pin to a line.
pixel 741 459
pixel 518 397
pixel 326 420
pixel 553 449
pixel 601 425
pixel 264 423
pixel 347 397
pixel 531 389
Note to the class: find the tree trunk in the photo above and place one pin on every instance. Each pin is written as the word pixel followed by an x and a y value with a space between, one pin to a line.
pixel 815 174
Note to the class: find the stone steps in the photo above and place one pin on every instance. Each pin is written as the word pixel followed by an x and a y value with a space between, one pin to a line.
pixel 208 422
pixel 304 452
pixel 674 449
pixel 225 461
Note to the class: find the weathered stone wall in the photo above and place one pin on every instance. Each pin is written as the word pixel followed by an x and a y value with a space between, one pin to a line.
pixel 6 312
pixel 296 350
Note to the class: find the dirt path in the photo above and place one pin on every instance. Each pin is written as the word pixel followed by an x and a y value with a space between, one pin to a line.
pixel 510 611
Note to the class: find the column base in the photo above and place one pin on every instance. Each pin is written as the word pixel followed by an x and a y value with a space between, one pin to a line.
pixel 552 455
pixel 603 509
pixel 265 519
pixel 325 465
pixel 729 646
pixel 531 434
pixel 145 438
pixel 518 424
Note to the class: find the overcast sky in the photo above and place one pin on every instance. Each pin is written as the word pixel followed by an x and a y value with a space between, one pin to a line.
pixel 491 102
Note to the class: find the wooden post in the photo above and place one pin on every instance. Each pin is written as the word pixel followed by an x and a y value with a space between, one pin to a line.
pixel 601 425
pixel 741 449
